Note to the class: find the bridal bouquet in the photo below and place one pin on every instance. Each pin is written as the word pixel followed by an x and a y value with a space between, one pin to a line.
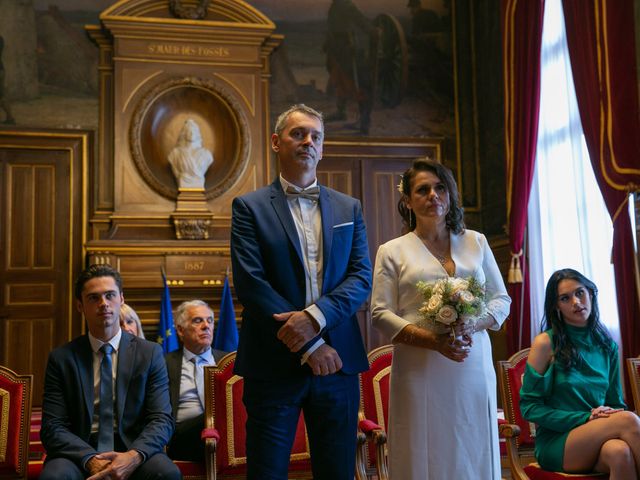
pixel 450 299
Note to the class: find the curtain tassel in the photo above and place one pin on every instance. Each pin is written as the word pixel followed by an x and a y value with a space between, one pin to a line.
pixel 515 271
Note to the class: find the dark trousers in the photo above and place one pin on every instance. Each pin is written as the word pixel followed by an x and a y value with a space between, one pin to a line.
pixel 330 406
pixel 186 443
pixel 158 466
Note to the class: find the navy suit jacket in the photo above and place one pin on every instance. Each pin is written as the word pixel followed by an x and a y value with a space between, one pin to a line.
pixel 174 370
pixel 142 399
pixel 269 278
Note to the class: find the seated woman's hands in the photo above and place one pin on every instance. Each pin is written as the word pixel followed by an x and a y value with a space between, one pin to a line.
pixel 603 412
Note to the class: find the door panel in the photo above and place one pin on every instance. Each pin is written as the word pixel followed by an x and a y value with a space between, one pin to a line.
pixel 41 223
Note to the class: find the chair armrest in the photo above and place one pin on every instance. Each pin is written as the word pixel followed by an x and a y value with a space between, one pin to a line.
pixel 378 437
pixel 211 437
pixel 367 426
pixel 510 432
pixel 361 467
pixel 210 433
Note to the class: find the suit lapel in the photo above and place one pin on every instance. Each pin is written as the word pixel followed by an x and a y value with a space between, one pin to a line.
pixel 84 363
pixel 326 212
pixel 126 361
pixel 174 370
pixel 281 206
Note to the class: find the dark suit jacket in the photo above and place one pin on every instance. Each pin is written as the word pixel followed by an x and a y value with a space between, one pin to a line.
pixel 174 370
pixel 269 278
pixel 142 398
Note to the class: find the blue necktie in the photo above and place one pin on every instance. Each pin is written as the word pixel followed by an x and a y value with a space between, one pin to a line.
pixel 105 426
pixel 198 373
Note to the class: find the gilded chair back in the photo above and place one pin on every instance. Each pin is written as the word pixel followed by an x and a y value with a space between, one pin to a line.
pixel 519 433
pixel 15 420
pixel 510 373
pixel 225 419
pixel 374 405
pixel 633 368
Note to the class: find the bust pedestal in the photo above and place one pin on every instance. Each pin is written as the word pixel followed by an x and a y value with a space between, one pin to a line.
pixel 192 217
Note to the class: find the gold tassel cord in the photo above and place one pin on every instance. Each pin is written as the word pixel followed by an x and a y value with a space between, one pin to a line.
pixel 515 270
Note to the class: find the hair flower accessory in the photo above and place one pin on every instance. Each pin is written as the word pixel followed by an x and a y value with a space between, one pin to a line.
pixel 400 185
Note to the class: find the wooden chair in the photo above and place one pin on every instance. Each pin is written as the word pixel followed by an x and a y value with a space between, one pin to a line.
pixel 15 420
pixel 633 368
pixel 520 434
pixel 374 413
pixel 224 433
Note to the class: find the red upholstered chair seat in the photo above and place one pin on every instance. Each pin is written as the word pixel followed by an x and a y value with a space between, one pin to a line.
pixel 15 415
pixel 374 407
pixel 517 432
pixel 225 419
pixel 534 472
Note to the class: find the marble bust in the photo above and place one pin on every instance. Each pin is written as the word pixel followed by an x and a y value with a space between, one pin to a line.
pixel 189 160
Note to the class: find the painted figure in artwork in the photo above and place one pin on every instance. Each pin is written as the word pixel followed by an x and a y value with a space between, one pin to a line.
pixel 4 105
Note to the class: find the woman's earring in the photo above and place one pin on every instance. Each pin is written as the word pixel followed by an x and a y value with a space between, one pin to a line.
pixel 410 218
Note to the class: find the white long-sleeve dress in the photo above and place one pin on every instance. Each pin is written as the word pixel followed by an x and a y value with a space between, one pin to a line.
pixel 442 414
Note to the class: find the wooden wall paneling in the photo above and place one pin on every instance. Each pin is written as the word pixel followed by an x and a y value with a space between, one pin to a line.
pixel 369 169
pixel 42 231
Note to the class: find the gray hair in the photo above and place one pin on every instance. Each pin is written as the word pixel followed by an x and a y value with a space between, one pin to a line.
pixel 299 107
pixel 181 311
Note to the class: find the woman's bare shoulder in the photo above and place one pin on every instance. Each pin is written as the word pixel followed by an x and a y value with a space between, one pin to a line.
pixel 541 352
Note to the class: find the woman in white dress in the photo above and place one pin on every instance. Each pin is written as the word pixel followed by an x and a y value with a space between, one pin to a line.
pixel 442 414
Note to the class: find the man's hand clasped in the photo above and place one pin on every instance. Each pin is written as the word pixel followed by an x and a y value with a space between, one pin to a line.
pixel 324 360
pixel 298 329
pixel 113 465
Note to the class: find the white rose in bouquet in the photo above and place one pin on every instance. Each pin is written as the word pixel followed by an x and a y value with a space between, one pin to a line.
pixel 448 300
pixel 447 315
pixel 459 285
pixel 434 304
pixel 465 296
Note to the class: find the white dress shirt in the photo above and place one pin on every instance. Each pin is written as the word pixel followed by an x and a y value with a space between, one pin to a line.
pixel 308 221
pixel 189 404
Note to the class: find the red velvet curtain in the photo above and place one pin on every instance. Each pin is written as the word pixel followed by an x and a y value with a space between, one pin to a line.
pixel 522 38
pixel 600 35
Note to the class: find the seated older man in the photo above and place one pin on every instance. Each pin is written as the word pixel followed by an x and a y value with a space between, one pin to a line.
pixel 185 366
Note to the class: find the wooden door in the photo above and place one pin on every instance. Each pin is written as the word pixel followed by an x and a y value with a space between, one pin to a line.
pixel 41 236
pixel 369 169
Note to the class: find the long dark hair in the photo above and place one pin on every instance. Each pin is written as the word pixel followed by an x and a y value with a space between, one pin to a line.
pixel 454 220
pixel 564 351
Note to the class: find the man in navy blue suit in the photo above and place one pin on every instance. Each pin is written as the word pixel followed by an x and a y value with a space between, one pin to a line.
pixel 301 270
pixel 106 411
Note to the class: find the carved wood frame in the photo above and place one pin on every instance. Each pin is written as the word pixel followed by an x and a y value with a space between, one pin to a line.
pixel 218 93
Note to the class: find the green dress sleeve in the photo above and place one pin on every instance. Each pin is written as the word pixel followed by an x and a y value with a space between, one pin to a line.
pixel 614 397
pixel 535 390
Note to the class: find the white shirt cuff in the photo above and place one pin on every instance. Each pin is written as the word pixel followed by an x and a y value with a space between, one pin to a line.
pixel 317 315
pixel 312 348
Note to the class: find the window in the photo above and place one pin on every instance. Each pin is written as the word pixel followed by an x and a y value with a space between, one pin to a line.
pixel 569 226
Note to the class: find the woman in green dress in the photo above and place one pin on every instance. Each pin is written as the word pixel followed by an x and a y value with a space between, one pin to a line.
pixel 571 387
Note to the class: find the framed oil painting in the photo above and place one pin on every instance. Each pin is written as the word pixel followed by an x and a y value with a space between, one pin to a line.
pixel 373 67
